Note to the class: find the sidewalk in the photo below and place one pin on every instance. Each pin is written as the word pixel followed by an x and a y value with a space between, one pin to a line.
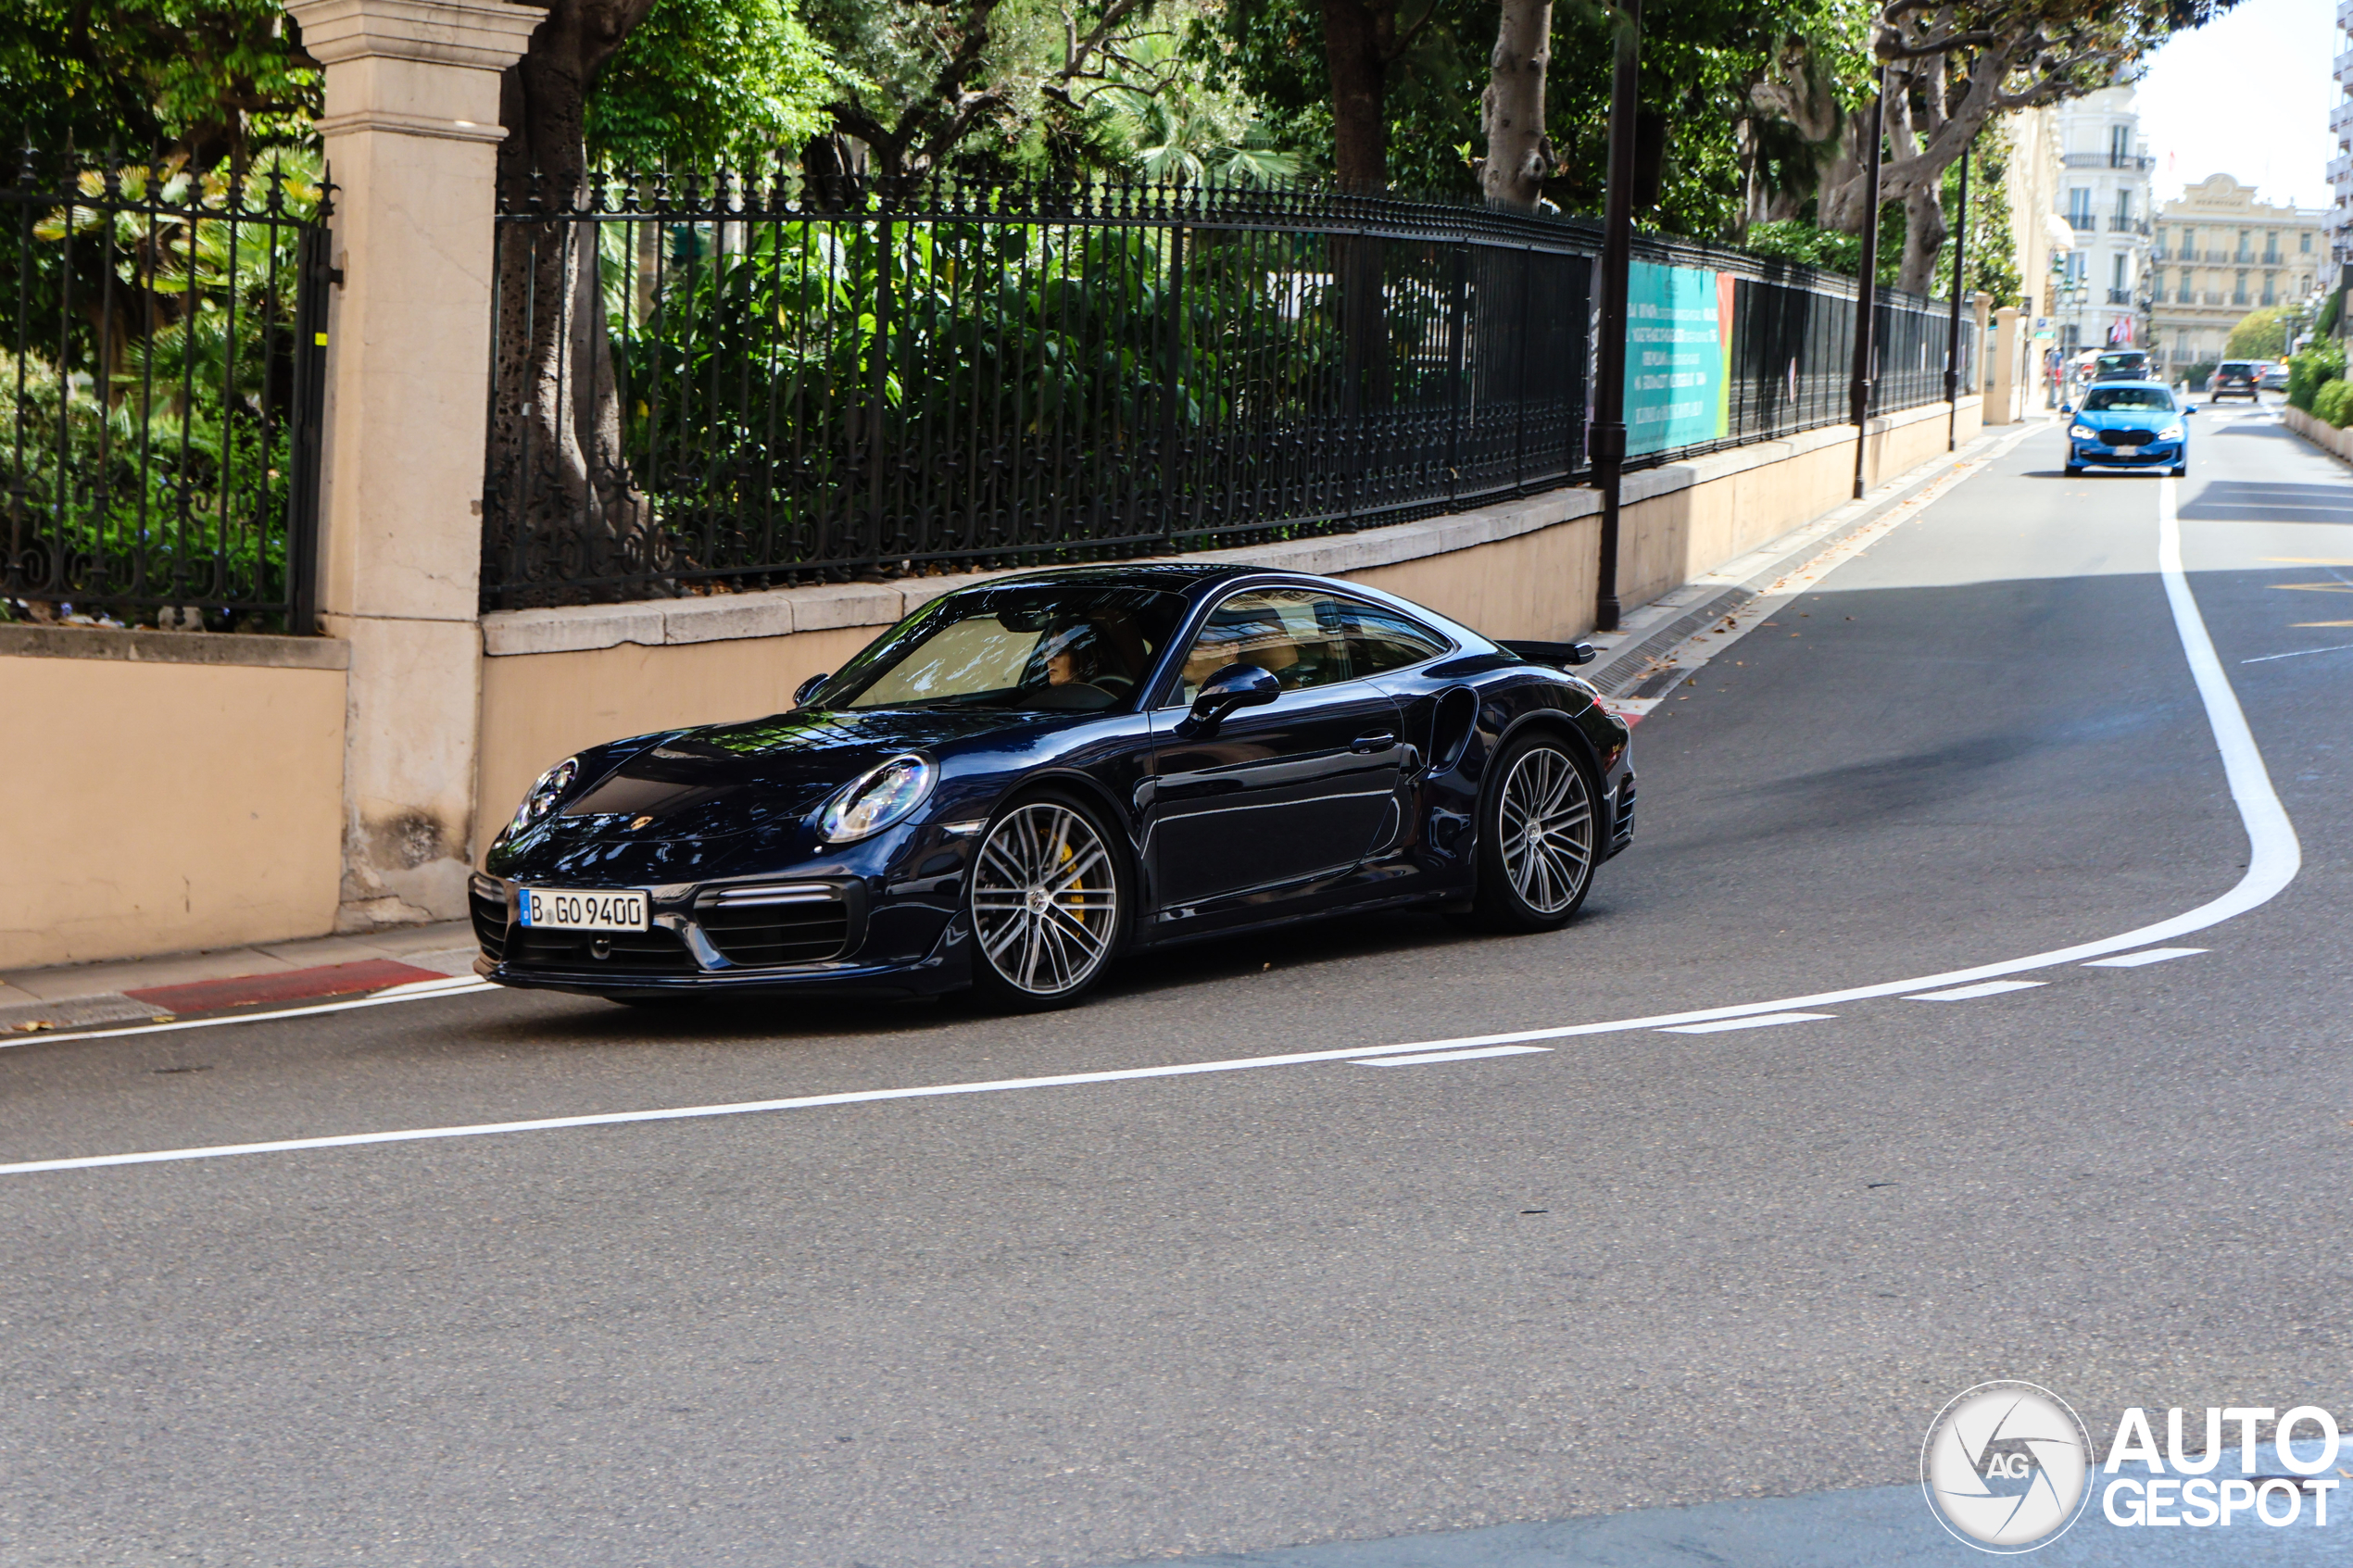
pixel 182 983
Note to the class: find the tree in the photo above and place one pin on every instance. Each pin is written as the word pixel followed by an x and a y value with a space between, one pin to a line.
pixel 2260 335
pixel 705 81
pixel 203 80
pixel 1519 154
pixel 1950 68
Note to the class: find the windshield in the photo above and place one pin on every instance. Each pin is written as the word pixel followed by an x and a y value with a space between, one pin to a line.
pixel 2153 399
pixel 1071 646
pixel 2121 362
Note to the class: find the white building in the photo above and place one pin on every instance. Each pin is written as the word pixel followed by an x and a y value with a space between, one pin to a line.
pixel 2340 219
pixel 2098 292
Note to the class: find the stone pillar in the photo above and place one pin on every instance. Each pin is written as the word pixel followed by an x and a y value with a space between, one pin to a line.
pixel 412 135
pixel 2002 401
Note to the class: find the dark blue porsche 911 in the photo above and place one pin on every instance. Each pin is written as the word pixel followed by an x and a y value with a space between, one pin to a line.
pixel 1025 779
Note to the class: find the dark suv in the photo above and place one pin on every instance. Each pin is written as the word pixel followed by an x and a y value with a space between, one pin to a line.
pixel 2234 378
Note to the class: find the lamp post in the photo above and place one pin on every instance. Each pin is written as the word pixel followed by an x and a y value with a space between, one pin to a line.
pixel 1866 293
pixel 1953 333
pixel 1607 443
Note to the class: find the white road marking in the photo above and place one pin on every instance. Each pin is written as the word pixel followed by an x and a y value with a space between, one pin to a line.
pixel 1970 993
pixel 1449 1056
pixel 2273 859
pixel 414 991
pixel 2135 960
pixel 2299 653
pixel 1760 1021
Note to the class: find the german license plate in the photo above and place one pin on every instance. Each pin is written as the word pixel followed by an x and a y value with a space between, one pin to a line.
pixel 554 908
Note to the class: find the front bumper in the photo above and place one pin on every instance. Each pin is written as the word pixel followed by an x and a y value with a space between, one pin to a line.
pixel 2156 454
pixel 810 933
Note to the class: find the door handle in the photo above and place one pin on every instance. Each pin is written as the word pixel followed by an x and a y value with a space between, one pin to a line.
pixel 1380 740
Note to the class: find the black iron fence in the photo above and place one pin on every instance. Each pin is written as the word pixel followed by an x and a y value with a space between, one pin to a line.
pixel 159 393
pixel 714 385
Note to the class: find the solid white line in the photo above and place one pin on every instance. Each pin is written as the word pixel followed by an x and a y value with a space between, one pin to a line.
pixel 1970 993
pixel 2273 859
pixel 414 991
pixel 1761 1020
pixel 2135 960
pixel 1450 1056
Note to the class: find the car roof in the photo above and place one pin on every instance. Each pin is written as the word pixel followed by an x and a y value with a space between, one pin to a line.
pixel 2112 385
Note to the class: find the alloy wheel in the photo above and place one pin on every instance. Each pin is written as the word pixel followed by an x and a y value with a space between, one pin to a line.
pixel 1547 821
pixel 1045 899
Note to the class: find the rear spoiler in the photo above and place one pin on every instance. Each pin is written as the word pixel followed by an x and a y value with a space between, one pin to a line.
pixel 1552 653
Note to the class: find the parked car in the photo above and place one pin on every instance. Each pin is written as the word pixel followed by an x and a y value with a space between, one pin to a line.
pixel 2232 378
pixel 2121 364
pixel 1026 778
pixel 2130 424
pixel 2273 377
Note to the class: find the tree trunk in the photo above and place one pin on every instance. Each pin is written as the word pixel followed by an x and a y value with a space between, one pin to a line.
pixel 1352 45
pixel 1512 112
pixel 557 486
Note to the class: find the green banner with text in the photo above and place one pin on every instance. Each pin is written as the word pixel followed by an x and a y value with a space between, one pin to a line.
pixel 1679 343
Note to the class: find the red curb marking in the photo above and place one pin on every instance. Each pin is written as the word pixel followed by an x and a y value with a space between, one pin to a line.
pixel 288 986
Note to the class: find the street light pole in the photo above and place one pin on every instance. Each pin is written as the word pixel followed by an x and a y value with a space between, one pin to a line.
pixel 1953 337
pixel 1607 443
pixel 1866 292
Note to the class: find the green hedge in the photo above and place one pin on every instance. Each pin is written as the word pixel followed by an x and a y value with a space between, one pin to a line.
pixel 2333 403
pixel 2310 372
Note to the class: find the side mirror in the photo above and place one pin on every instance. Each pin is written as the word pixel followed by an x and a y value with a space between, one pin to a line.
pixel 1236 685
pixel 808 689
pixel 2188 408
pixel 2066 408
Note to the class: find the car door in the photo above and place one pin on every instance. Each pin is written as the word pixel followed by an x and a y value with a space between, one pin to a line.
pixel 1278 797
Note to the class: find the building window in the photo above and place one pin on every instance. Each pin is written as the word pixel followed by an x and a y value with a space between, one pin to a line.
pixel 2247 242
pixel 2304 243
pixel 2189 244
pixel 2159 251
pixel 2268 295
pixel 2189 286
pixel 2125 205
pixel 2239 290
pixel 2079 206
pixel 2271 247
pixel 2119 145
pixel 2116 273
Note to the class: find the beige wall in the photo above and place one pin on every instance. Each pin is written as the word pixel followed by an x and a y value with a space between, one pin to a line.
pixel 156 807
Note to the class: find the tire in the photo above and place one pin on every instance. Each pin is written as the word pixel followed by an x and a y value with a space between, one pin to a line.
pixel 1049 896
pixel 2181 470
pixel 1525 886
pixel 2074 469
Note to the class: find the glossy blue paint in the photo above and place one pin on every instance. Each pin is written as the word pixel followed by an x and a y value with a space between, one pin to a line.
pixel 1357 794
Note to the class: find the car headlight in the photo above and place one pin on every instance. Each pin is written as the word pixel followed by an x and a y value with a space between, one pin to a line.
pixel 2172 433
pixel 543 794
pixel 882 798
pixel 2084 433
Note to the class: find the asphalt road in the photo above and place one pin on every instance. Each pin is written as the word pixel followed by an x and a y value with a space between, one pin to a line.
pixel 1230 1312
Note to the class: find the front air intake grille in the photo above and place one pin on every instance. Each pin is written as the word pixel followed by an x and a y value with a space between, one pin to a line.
pixel 2130 437
pixel 799 929
pixel 658 951
pixel 1624 828
pixel 490 924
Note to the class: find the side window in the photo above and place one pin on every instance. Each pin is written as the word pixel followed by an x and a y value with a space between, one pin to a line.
pixel 1294 634
pixel 1381 639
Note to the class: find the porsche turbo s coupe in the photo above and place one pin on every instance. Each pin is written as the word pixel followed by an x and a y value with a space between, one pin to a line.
pixel 1025 779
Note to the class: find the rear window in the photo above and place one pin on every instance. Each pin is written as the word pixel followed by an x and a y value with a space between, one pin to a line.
pixel 2236 367
pixel 2102 398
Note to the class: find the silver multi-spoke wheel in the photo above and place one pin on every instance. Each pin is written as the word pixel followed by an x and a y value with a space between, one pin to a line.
pixel 1547 830
pixel 1045 899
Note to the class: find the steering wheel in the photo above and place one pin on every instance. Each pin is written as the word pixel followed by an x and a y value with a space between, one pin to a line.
pixel 1117 686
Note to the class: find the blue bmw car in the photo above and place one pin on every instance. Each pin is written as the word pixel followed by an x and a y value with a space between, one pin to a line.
pixel 2130 424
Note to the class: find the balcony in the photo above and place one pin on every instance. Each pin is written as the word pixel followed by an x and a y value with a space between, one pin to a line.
pixel 2120 224
pixel 2108 160
pixel 2215 296
pixel 2270 258
pixel 2239 298
pixel 2188 296
pixel 2082 222
pixel 2340 117
pixel 2339 66
pixel 2119 297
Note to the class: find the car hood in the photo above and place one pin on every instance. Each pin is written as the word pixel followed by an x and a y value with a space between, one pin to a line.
pixel 725 779
pixel 2128 419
